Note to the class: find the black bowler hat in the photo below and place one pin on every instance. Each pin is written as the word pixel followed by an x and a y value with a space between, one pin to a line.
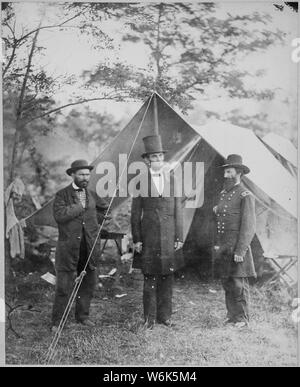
pixel 153 144
pixel 78 164
pixel 235 161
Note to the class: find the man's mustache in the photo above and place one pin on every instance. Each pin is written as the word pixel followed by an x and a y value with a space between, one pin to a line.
pixel 83 182
pixel 229 179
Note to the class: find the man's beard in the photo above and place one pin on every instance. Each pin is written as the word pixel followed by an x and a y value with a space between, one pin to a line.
pixel 81 184
pixel 156 165
pixel 229 182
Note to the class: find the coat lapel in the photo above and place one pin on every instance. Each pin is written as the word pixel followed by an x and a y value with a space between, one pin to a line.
pixel 71 193
pixel 88 197
pixel 167 183
pixel 152 191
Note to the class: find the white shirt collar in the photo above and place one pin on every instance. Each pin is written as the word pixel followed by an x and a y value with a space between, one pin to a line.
pixel 156 172
pixel 75 186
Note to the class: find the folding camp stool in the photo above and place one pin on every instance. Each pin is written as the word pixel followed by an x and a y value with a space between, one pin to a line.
pixel 283 264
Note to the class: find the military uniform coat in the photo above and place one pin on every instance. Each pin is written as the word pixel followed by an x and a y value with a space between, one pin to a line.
pixel 157 222
pixel 73 220
pixel 236 221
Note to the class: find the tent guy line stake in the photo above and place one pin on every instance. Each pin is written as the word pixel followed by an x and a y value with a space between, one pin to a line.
pixel 51 350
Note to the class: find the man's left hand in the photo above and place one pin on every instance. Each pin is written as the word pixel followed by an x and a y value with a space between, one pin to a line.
pixel 178 245
pixel 238 258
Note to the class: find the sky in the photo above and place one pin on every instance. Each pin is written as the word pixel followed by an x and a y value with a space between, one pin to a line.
pixel 69 53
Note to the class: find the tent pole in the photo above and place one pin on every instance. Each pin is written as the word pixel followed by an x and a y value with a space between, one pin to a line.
pixel 156 130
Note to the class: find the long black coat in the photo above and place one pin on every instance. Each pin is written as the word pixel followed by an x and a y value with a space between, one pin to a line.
pixel 73 220
pixel 236 223
pixel 157 222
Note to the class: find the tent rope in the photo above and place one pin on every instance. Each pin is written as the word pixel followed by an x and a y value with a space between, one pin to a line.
pixel 52 348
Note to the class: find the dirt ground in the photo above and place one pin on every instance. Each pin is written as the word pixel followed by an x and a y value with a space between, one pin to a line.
pixel 119 338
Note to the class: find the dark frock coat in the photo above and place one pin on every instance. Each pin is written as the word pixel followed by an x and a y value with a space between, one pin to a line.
pixel 73 220
pixel 236 222
pixel 157 222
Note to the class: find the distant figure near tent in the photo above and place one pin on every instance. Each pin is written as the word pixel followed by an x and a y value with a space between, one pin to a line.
pixel 235 213
pixel 156 222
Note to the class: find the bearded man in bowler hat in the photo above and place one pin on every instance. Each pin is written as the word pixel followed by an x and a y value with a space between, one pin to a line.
pixel 235 216
pixel 78 212
pixel 156 223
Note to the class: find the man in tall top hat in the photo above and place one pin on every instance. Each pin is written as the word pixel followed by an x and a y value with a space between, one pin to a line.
pixel 77 211
pixel 156 222
pixel 235 216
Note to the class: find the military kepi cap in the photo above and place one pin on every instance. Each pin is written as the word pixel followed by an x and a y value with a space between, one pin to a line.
pixel 153 144
pixel 235 161
pixel 78 164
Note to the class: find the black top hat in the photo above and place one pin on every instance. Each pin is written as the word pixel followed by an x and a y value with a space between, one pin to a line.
pixel 153 144
pixel 78 164
pixel 235 161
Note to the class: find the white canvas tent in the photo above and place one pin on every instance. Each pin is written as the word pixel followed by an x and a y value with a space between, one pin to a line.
pixel 283 150
pixel 283 146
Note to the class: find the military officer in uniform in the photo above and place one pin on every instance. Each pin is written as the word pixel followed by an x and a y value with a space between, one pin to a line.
pixel 235 217
pixel 156 222
pixel 77 211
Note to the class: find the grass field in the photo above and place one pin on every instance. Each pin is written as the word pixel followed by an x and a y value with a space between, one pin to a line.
pixel 199 339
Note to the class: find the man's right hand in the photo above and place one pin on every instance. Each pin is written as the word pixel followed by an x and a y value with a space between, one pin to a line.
pixel 138 247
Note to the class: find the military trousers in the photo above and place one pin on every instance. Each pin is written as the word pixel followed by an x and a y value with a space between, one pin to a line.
pixel 65 281
pixel 237 298
pixel 157 297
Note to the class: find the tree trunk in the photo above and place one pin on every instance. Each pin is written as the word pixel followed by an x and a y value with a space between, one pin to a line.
pixel 14 156
pixel 14 159
pixel 8 271
pixel 19 113
pixel 157 49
